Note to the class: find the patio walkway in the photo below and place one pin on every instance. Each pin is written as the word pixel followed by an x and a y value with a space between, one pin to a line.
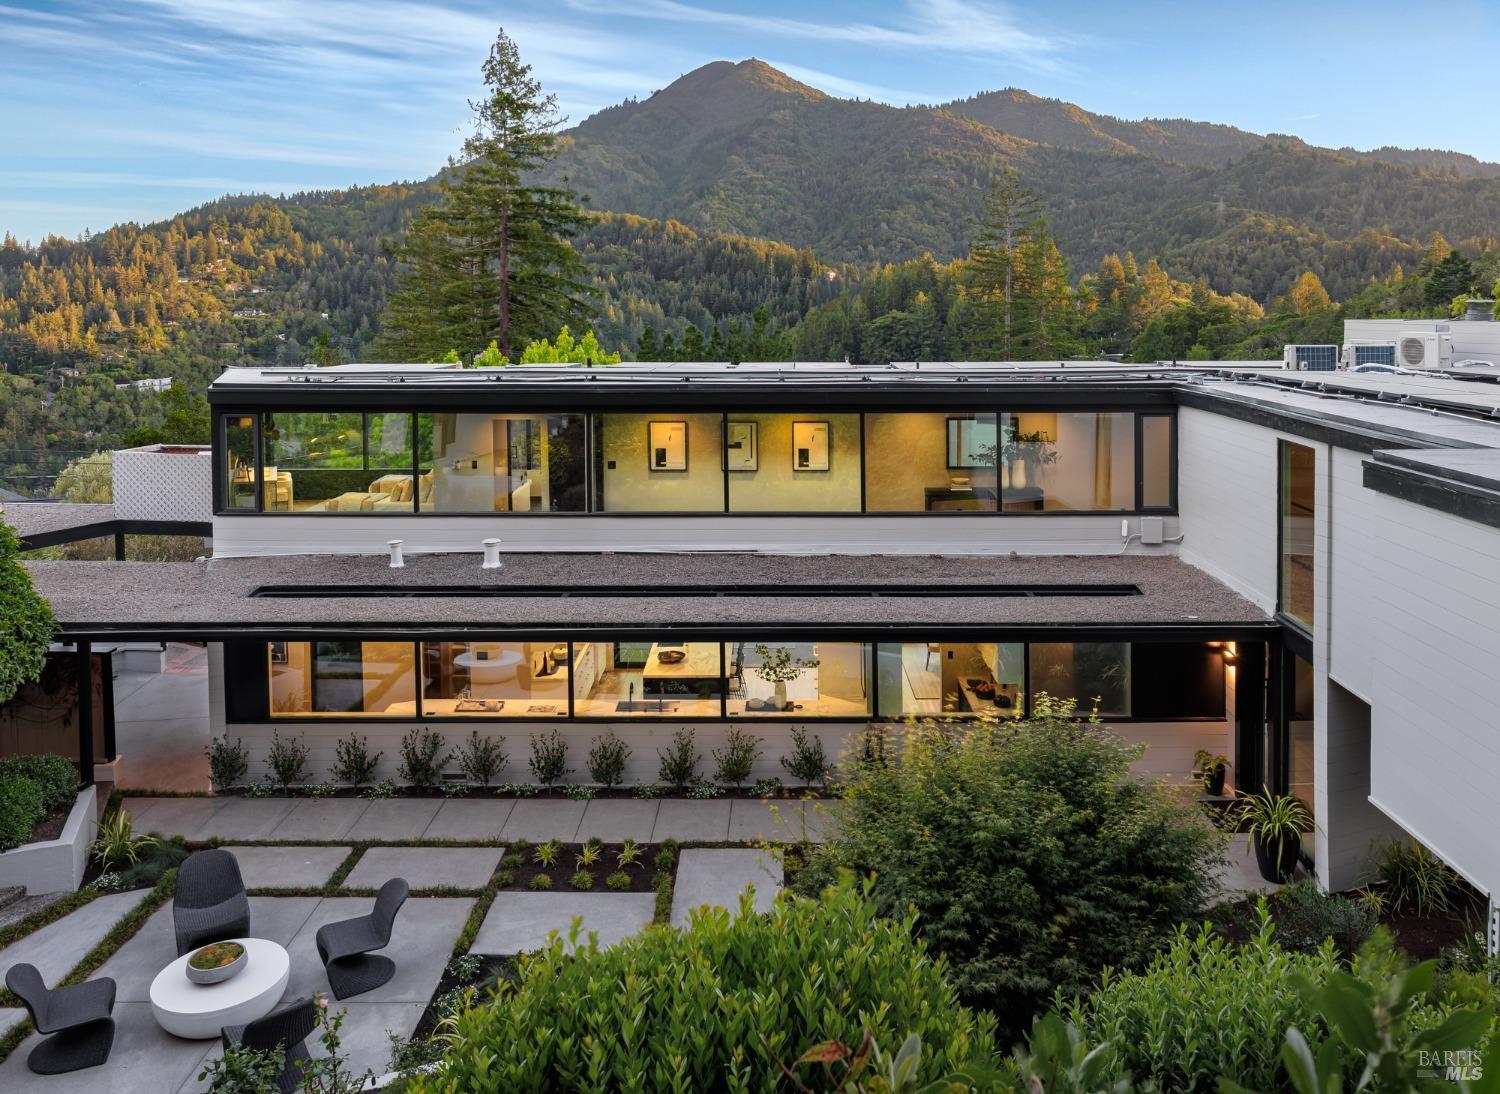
pixel 494 820
pixel 147 1060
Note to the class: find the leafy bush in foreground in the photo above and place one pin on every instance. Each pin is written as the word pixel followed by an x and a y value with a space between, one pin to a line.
pixel 20 809
pixel 718 1006
pixel 56 777
pixel 1031 853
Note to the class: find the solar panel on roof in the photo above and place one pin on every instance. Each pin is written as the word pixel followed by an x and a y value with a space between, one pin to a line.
pixel 1318 358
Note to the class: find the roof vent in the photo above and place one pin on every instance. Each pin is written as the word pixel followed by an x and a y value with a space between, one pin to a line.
pixel 397 562
pixel 1479 311
pixel 491 554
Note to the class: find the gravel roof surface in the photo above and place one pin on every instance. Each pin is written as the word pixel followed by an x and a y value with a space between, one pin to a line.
pixel 217 592
pixel 34 518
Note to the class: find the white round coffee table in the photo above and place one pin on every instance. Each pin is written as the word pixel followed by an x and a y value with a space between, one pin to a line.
pixel 200 1011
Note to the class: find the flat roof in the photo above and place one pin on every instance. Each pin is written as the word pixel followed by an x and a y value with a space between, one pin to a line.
pixel 35 520
pixel 217 596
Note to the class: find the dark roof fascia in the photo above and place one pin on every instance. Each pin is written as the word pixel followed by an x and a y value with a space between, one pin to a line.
pixel 1247 631
pixel 1440 492
pixel 745 396
pixel 1305 423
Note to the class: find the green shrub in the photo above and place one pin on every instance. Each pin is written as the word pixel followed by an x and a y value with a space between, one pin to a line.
pixel 807 762
pixel 56 777
pixel 26 621
pixel 619 881
pixel 227 763
pixel 733 762
pixel 287 759
pixel 353 762
pixel 541 881
pixel 20 809
pixel 582 879
pixel 1033 855
pixel 549 757
pixel 422 758
pixel 115 843
pixel 1204 1008
pixel 679 760
pixel 1414 879
pixel 607 756
pixel 717 1006
pixel 481 758
pixel 1306 916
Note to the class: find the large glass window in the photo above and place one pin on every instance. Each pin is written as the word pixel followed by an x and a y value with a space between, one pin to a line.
pixel 1156 461
pixel 1297 493
pixel 796 463
pixel 337 463
pixel 313 679
pixel 501 463
pixel 918 463
pixel 918 679
pixel 809 679
pixel 647 679
pixel 1067 460
pixel 665 462
pixel 1092 674
pixel 239 461
pixel 495 679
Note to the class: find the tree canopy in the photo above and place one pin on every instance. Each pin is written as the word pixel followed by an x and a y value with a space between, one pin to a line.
pixel 26 622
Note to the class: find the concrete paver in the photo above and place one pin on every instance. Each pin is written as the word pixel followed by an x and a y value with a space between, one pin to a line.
pixel 683 819
pixel 324 818
pixel 541 819
pixel 615 820
pixel 470 819
pixel 518 922
pixel 287 867
pixel 425 867
pixel 718 876
pixel 57 947
pixel 395 819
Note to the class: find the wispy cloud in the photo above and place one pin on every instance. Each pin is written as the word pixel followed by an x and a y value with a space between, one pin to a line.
pixel 954 26
pixel 1301 117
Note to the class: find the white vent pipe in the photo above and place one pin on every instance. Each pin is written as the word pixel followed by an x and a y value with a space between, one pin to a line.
pixel 397 562
pixel 491 554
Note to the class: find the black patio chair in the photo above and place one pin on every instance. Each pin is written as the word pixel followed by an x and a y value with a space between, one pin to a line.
pixel 210 904
pixel 284 1030
pixel 345 946
pixel 77 1017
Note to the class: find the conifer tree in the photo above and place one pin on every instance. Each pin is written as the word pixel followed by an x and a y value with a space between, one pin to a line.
pixel 492 261
pixel 1012 214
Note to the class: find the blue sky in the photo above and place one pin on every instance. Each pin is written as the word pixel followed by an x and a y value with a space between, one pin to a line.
pixel 136 109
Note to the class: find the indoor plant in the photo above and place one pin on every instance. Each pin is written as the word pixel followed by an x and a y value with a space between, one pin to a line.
pixel 1210 769
pixel 1276 824
pixel 778 666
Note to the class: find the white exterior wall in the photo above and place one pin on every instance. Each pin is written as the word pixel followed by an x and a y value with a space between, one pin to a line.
pixel 1226 494
pixel 1435 742
pixel 812 534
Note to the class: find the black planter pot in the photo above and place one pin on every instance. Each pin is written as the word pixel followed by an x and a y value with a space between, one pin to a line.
pixel 1213 782
pixel 1277 867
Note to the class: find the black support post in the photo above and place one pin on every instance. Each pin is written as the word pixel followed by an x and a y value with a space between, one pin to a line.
pixel 84 655
pixel 1250 717
pixel 119 546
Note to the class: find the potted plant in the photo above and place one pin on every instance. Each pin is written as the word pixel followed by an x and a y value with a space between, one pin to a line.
pixel 215 963
pixel 1210 769
pixel 778 666
pixel 1276 824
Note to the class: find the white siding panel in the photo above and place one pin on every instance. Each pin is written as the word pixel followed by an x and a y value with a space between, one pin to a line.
pixel 1226 488
pixel 1351 593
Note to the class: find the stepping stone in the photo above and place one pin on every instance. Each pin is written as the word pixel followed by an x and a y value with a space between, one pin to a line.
pixel 684 820
pixel 539 820
pixel 187 817
pixel 395 819
pixel 470 819
pixel 791 821
pixel 328 818
pixel 718 876
pixel 144 1059
pixel 518 922
pixel 248 818
pixel 57 947
pixel 287 867
pixel 421 945
pixel 615 820
pixel 425 867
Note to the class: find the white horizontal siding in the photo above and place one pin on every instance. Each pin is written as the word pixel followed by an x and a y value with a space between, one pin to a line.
pixel 812 534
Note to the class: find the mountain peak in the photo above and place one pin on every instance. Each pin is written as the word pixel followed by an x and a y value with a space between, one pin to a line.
pixel 751 74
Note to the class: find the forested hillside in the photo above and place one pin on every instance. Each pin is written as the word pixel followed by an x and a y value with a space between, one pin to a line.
pixel 738 208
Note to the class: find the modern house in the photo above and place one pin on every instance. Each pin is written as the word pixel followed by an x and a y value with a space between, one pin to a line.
pixel 1300 571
